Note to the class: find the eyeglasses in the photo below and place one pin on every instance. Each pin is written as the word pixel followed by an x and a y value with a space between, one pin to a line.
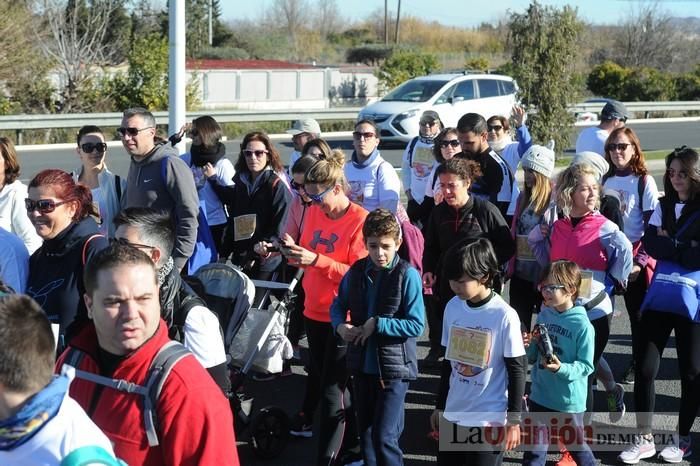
pixel 550 288
pixel 131 131
pixel 428 124
pixel 318 155
pixel 296 186
pixel 125 242
pixel 358 135
pixel 44 206
pixel 682 175
pixel 318 198
pixel 91 146
pixel 257 153
pixel 453 143
pixel 621 146
pixel 495 128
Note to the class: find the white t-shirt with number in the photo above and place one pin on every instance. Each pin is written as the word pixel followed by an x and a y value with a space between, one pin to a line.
pixel 627 190
pixel 416 167
pixel 478 394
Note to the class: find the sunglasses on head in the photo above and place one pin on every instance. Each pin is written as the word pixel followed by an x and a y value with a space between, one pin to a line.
pixel 495 128
pixel 132 131
pixel 621 146
pixel 257 153
pixel 125 242
pixel 44 206
pixel 451 142
pixel 91 146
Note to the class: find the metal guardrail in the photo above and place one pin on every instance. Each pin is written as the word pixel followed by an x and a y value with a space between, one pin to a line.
pixel 19 123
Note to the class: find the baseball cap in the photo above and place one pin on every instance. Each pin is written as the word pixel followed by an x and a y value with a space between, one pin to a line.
pixel 306 125
pixel 430 116
pixel 614 110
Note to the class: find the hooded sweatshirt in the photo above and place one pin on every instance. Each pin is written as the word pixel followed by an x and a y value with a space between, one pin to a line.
pixel 573 339
pixel 175 193
pixel 373 183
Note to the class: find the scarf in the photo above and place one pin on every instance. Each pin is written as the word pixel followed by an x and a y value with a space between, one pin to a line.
pixel 429 140
pixel 202 155
pixel 169 284
pixel 34 414
pixel 498 146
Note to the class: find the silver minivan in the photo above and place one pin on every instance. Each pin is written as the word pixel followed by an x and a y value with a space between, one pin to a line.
pixel 450 95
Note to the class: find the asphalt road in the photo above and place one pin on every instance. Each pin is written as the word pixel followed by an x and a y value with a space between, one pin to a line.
pixel 654 136
pixel 419 450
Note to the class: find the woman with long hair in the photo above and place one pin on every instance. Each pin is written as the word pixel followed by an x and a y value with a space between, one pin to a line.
pixel 446 146
pixel 629 179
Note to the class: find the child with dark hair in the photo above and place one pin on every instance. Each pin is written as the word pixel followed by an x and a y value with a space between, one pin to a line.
pixel 559 384
pixel 384 296
pixel 483 373
pixel 39 422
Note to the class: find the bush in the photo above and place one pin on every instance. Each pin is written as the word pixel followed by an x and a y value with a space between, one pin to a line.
pixel 368 54
pixel 608 79
pixel 224 53
pixel 648 85
pixel 404 65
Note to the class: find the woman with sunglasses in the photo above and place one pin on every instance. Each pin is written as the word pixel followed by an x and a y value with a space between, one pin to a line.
pixel 629 180
pixel 62 213
pixel 257 204
pixel 13 192
pixel 105 186
pixel 500 141
pixel 331 241
pixel 446 146
pixel 673 235
pixel 208 162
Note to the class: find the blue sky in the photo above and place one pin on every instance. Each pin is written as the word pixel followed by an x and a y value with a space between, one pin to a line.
pixel 454 12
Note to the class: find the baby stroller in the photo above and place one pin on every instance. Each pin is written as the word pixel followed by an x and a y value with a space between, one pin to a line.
pixel 254 338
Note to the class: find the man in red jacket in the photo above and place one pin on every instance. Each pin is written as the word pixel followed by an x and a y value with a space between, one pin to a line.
pixel 194 425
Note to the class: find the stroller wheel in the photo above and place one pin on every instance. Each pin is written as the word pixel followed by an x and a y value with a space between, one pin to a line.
pixel 269 432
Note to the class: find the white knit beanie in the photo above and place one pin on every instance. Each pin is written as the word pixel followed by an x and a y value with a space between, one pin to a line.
pixel 539 159
pixel 593 159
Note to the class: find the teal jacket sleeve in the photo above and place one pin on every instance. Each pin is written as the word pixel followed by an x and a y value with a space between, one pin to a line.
pixel 339 308
pixel 583 365
pixel 413 323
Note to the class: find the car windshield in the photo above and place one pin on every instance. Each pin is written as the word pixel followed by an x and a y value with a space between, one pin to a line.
pixel 417 90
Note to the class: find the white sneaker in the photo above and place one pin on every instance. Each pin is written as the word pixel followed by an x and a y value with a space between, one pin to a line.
pixel 641 448
pixel 678 449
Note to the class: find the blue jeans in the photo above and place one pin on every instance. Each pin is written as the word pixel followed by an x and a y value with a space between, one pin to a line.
pixel 537 455
pixel 380 416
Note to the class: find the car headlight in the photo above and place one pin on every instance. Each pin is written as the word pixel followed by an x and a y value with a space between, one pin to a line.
pixel 406 114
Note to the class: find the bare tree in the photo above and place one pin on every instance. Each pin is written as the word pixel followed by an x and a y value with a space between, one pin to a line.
pixel 18 51
pixel 398 23
pixel 74 39
pixel 648 38
pixel 328 18
pixel 292 15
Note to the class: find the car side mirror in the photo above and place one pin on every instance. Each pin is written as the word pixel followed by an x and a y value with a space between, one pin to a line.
pixel 455 100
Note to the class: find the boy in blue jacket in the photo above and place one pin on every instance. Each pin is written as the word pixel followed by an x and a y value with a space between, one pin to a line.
pixel 559 385
pixel 383 294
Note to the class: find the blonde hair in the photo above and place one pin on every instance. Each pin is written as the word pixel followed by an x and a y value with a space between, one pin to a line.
pixel 569 180
pixel 538 196
pixel 330 171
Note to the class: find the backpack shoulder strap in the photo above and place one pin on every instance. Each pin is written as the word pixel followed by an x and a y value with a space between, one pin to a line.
pixel 169 355
pixel 641 186
pixel 85 245
pixel 411 147
pixel 118 187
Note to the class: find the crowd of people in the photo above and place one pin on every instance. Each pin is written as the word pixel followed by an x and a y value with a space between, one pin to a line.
pixel 108 351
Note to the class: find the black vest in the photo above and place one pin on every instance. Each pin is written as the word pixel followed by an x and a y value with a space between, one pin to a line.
pixel 396 356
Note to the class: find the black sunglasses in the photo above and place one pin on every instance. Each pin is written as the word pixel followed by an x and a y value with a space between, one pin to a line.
pixel 495 128
pixel 452 142
pixel 132 131
pixel 91 146
pixel 44 206
pixel 125 242
pixel 621 146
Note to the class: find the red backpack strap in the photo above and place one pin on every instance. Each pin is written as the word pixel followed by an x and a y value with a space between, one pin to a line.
pixel 85 245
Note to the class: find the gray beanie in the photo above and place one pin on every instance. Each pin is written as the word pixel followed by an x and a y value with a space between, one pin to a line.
pixel 539 159
pixel 595 160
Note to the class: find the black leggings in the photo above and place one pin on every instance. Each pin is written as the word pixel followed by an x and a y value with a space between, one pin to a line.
pixel 525 299
pixel 654 330
pixel 634 296
pixel 601 326
pixel 338 431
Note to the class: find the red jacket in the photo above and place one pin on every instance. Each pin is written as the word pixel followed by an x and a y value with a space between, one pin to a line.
pixel 194 418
